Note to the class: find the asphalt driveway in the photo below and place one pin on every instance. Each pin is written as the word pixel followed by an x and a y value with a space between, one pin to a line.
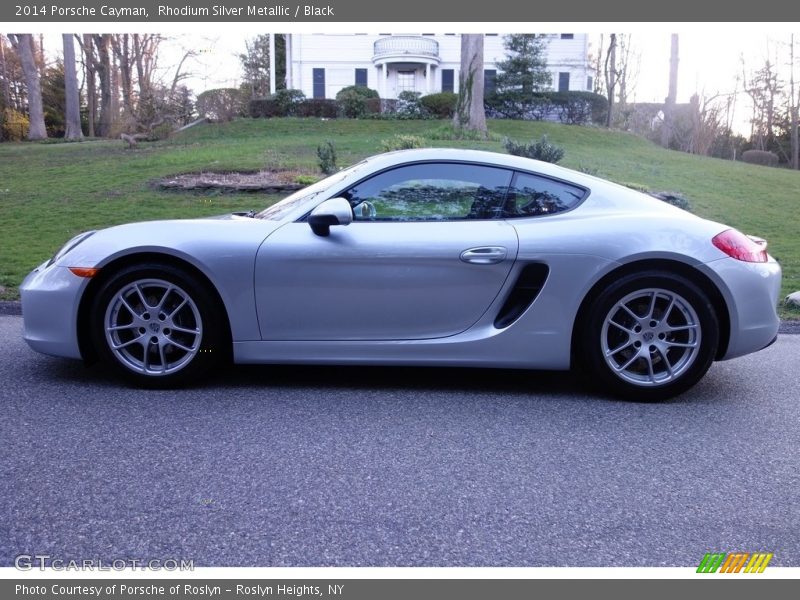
pixel 302 466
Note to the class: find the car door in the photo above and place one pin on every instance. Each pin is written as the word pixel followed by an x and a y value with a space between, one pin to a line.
pixel 425 256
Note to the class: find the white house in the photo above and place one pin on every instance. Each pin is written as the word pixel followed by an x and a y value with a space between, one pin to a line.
pixel 322 64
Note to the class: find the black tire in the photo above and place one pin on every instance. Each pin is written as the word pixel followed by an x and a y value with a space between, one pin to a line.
pixel 648 336
pixel 182 341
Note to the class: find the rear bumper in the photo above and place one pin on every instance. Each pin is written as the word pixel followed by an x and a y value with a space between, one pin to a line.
pixel 751 291
pixel 50 297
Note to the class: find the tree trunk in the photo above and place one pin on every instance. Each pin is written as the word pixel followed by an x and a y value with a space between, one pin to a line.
pixel 23 44
pixel 470 113
pixel 145 49
pixel 611 77
pixel 280 61
pixel 115 86
pixel 91 82
pixel 121 47
pixel 4 74
pixel 137 59
pixel 103 66
pixel 793 108
pixel 669 106
pixel 72 116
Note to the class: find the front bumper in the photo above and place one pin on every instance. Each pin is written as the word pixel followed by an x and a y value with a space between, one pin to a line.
pixel 50 297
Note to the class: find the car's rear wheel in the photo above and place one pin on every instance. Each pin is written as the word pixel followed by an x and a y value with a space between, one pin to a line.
pixel 650 336
pixel 155 324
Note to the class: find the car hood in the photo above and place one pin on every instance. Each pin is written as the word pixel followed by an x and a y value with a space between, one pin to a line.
pixel 230 235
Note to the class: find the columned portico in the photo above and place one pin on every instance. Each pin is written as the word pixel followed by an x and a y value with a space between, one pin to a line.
pixel 405 63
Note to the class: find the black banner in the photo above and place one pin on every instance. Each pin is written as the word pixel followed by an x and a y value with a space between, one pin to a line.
pixel 387 589
pixel 364 11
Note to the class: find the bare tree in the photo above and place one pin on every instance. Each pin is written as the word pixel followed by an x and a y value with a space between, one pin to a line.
pixel 616 72
pixel 120 44
pixel 629 61
pixel 100 66
pixel 706 124
pixel 103 66
pixel 672 95
pixel 598 68
pixel 15 94
pixel 23 44
pixel 794 101
pixel 145 56
pixel 255 61
pixel 4 74
pixel 87 45
pixel 610 71
pixel 71 96
pixel 470 114
pixel 764 88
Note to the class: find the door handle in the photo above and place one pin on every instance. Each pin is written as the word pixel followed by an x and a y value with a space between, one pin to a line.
pixel 485 255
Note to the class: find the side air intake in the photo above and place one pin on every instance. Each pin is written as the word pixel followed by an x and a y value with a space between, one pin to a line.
pixel 529 283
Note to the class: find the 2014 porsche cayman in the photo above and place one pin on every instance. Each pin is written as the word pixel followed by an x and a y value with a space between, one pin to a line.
pixel 421 257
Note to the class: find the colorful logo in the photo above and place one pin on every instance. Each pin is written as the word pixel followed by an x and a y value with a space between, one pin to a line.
pixel 734 562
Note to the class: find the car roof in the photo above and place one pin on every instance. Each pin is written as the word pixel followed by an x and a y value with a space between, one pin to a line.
pixel 399 157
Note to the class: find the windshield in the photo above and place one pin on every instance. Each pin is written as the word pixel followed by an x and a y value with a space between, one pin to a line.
pixel 279 210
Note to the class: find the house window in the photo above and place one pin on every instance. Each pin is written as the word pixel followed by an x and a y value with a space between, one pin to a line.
pixel 489 80
pixel 448 80
pixel 361 77
pixel 589 83
pixel 319 83
pixel 563 82
pixel 406 81
pixel 567 36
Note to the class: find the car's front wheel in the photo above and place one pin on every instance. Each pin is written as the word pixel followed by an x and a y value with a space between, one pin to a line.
pixel 155 324
pixel 650 336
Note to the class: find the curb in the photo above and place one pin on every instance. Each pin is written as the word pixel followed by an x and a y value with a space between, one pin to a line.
pixel 15 308
pixel 10 308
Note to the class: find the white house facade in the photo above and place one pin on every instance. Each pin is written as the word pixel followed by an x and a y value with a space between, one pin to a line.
pixel 322 64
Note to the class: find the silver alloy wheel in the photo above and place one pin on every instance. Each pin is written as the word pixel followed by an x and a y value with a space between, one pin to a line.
pixel 153 327
pixel 651 337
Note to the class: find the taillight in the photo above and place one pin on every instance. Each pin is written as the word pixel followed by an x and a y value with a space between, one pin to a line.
pixel 739 246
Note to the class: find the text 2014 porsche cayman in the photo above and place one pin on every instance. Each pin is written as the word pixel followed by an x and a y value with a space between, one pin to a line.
pixel 421 257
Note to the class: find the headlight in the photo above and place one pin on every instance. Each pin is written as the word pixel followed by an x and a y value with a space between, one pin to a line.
pixel 69 246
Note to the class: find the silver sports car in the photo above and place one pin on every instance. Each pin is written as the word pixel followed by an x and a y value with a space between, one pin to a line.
pixel 420 257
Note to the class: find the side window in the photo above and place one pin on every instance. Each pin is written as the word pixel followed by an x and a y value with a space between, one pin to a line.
pixel 531 196
pixel 431 192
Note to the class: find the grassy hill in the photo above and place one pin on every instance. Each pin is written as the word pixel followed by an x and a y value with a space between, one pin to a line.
pixel 50 191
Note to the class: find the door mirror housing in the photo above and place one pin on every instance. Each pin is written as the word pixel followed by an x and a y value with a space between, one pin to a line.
pixel 335 211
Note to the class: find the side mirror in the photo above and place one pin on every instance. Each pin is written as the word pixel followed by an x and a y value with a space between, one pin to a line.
pixel 335 211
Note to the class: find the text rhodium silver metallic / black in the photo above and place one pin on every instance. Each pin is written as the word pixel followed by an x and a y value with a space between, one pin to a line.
pixel 422 257
pixel 251 10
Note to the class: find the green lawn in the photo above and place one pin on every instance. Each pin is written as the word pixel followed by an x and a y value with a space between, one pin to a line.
pixel 50 191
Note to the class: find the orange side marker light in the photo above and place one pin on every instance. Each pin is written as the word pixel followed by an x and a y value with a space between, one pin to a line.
pixel 87 272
